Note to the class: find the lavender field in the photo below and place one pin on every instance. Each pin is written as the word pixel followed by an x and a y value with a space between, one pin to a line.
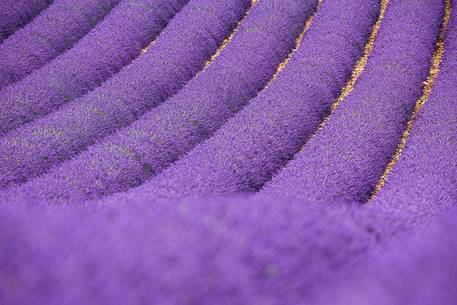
pixel 270 152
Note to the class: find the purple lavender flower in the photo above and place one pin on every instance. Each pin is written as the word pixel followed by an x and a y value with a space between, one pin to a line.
pixel 52 32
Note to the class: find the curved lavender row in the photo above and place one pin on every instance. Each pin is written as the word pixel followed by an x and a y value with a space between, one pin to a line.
pixel 244 152
pixel 346 158
pixel 147 146
pixel 424 180
pixel 421 271
pixel 53 31
pixel 16 13
pixel 113 43
pixel 179 52
pixel 227 251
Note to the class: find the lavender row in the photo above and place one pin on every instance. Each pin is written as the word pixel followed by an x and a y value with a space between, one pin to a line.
pixel 52 32
pixel 16 13
pixel 141 150
pixel 347 157
pixel 113 43
pixel 251 145
pixel 267 250
pixel 177 55
pixel 424 180
pixel 209 251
